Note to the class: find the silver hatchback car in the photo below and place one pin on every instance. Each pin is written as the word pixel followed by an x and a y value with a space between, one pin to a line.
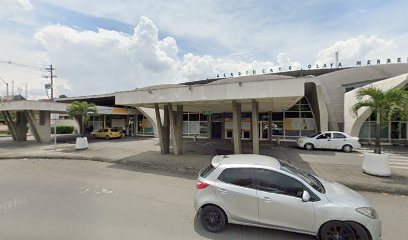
pixel 261 191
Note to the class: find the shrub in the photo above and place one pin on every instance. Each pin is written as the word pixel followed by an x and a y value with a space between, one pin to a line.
pixel 63 130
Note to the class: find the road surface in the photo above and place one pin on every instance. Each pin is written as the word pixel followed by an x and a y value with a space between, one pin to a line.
pixel 72 199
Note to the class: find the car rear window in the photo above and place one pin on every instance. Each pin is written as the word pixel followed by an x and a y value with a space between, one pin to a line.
pixel 204 173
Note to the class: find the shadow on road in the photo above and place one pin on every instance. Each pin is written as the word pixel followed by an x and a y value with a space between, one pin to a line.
pixel 233 231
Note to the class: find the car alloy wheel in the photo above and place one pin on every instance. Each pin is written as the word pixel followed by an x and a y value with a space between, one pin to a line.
pixel 213 218
pixel 309 146
pixel 347 148
pixel 107 137
pixel 359 232
pixel 336 230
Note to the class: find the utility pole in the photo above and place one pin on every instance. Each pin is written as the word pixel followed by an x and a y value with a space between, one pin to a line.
pixel 51 76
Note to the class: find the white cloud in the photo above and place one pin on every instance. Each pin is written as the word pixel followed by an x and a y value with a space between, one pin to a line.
pixel 358 48
pixel 13 10
pixel 106 61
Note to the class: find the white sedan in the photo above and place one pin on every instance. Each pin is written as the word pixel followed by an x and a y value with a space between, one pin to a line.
pixel 329 140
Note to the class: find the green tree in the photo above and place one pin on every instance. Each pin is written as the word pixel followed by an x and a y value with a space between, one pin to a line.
pixel 384 104
pixel 81 111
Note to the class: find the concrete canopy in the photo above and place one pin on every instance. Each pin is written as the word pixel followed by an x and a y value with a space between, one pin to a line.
pixel 273 94
pixel 33 106
pixel 35 113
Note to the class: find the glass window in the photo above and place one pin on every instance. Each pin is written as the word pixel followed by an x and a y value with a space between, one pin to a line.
pixel 229 134
pixel 203 117
pixel 185 116
pixel 291 114
pixel 216 117
pixel 303 101
pixel 292 133
pixel 294 108
pixel 338 135
pixel 274 182
pixel 263 116
pixel 277 116
pixel 307 115
pixel 307 132
pixel 203 128
pixel 194 117
pixel 364 130
pixel 237 176
pixel 305 108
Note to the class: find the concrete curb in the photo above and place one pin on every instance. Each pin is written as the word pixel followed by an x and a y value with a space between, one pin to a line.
pixel 192 172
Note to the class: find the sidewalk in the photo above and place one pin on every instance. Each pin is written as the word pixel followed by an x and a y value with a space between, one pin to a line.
pixel 143 154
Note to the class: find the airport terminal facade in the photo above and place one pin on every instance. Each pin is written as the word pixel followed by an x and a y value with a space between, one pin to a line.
pixel 256 108
pixel 273 106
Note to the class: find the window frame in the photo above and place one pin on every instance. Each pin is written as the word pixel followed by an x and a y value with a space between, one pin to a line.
pixel 334 136
pixel 258 186
pixel 251 186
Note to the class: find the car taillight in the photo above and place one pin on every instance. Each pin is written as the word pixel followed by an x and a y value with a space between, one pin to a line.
pixel 201 185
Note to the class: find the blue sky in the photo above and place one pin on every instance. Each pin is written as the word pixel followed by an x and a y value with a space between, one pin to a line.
pixel 167 41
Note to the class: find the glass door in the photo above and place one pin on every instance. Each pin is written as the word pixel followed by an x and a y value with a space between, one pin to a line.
pixel 263 131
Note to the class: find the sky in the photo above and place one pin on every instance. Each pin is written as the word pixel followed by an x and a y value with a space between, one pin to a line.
pixel 103 46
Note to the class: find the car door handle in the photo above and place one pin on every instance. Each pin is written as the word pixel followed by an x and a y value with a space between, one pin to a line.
pixel 267 199
pixel 222 191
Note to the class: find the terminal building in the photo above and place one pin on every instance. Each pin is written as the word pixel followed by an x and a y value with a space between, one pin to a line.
pixel 266 107
pixel 256 108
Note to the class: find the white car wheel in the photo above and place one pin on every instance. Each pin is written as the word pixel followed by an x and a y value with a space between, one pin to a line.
pixel 309 146
pixel 347 148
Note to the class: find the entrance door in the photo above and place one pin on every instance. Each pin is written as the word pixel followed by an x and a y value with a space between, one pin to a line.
pixel 263 130
pixel 216 130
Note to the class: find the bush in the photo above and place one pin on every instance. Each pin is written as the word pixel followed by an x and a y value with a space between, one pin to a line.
pixel 63 130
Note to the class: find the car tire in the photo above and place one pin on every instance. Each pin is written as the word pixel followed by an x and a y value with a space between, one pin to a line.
pixel 359 232
pixel 213 218
pixel 336 230
pixel 347 148
pixel 107 137
pixel 309 146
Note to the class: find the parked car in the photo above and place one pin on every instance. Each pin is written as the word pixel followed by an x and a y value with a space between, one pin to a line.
pixel 329 140
pixel 108 133
pixel 261 191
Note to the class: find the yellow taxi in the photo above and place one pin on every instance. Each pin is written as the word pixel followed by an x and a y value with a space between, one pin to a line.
pixel 108 133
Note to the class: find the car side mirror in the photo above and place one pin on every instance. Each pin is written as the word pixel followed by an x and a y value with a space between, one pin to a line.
pixel 305 196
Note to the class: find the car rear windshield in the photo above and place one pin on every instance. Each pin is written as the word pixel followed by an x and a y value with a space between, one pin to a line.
pixel 204 173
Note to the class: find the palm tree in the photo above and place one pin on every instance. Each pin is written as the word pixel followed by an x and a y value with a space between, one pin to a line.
pixel 384 104
pixel 81 110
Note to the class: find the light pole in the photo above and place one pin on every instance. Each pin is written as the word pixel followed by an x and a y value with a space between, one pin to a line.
pixel 4 81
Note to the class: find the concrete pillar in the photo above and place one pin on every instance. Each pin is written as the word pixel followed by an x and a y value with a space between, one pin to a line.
pixel 209 126
pixel 176 122
pixel 9 125
pixel 41 126
pixel 18 127
pixel 163 128
pixel 236 124
pixel 127 125
pixel 255 127
pixel 222 126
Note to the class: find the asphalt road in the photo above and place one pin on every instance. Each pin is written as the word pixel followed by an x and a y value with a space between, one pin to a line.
pixel 71 199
